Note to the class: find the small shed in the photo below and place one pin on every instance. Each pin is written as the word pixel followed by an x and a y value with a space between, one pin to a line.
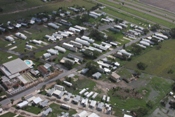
pixel 22 104
pixel 114 76
pixel 37 100
pixel 43 103
pixel 96 75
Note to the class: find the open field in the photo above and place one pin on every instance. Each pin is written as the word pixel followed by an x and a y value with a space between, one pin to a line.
pixel 154 9
pixel 80 84
pixel 9 114
pixel 165 4
pixel 123 16
pixel 4 57
pixel 24 13
pixel 33 109
pixel 156 88
pixel 140 14
pixel 57 110
pixel 158 62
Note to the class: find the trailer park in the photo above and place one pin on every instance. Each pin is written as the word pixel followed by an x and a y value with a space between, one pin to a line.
pixel 84 62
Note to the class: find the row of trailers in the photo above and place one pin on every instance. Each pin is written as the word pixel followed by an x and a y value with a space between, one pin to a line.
pixel 156 38
pixel 86 42
pixel 85 102
pixel 59 35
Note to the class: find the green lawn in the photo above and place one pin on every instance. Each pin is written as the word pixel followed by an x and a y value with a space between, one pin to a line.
pixel 9 114
pixel 118 37
pixel 33 109
pixel 158 62
pixel 56 110
pixel 4 57
pixel 80 84
pixel 124 73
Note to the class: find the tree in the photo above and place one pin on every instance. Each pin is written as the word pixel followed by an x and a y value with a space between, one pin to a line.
pixel 116 20
pixel 12 100
pixel 91 54
pixel 110 38
pixel 95 34
pixel 123 46
pixel 92 66
pixel 172 32
pixel 173 87
pixel 68 64
pixel 145 31
pixel 81 32
pixel 59 82
pixel 155 27
pixel 22 98
pixel 1 10
pixel 85 18
pixel 141 66
pixel 43 87
pixel 136 49
pixel 140 112
pixel 149 104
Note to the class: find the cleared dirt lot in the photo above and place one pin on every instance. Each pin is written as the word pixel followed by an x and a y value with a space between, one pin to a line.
pixel 166 4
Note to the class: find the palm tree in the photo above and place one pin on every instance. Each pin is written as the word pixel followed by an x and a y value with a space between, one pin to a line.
pixel 12 100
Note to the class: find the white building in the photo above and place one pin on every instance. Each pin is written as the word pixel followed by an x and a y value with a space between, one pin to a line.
pixel 86 43
pixel 52 51
pixel 53 25
pixel 21 35
pixel 60 49
pixel 22 104
pixel 46 55
pixel 69 47
pixel 9 38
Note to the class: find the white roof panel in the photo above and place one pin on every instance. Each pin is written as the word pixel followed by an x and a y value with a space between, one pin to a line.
pixel 15 66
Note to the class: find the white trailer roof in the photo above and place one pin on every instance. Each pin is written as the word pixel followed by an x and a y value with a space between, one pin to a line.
pixel 93 115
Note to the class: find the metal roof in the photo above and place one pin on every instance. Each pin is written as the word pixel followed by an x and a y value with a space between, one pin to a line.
pixel 15 66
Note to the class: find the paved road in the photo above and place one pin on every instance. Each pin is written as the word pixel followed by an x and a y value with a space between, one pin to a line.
pixel 119 10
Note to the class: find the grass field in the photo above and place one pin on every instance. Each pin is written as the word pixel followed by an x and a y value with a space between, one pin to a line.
pixel 80 84
pixel 57 110
pixel 47 7
pixel 151 8
pixel 118 37
pixel 158 62
pixel 123 16
pixel 156 89
pixel 9 114
pixel 4 57
pixel 33 109
pixel 140 14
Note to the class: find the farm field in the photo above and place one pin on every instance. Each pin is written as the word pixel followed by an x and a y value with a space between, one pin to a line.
pixel 158 61
pixel 154 9
pixel 140 14
pixel 168 4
